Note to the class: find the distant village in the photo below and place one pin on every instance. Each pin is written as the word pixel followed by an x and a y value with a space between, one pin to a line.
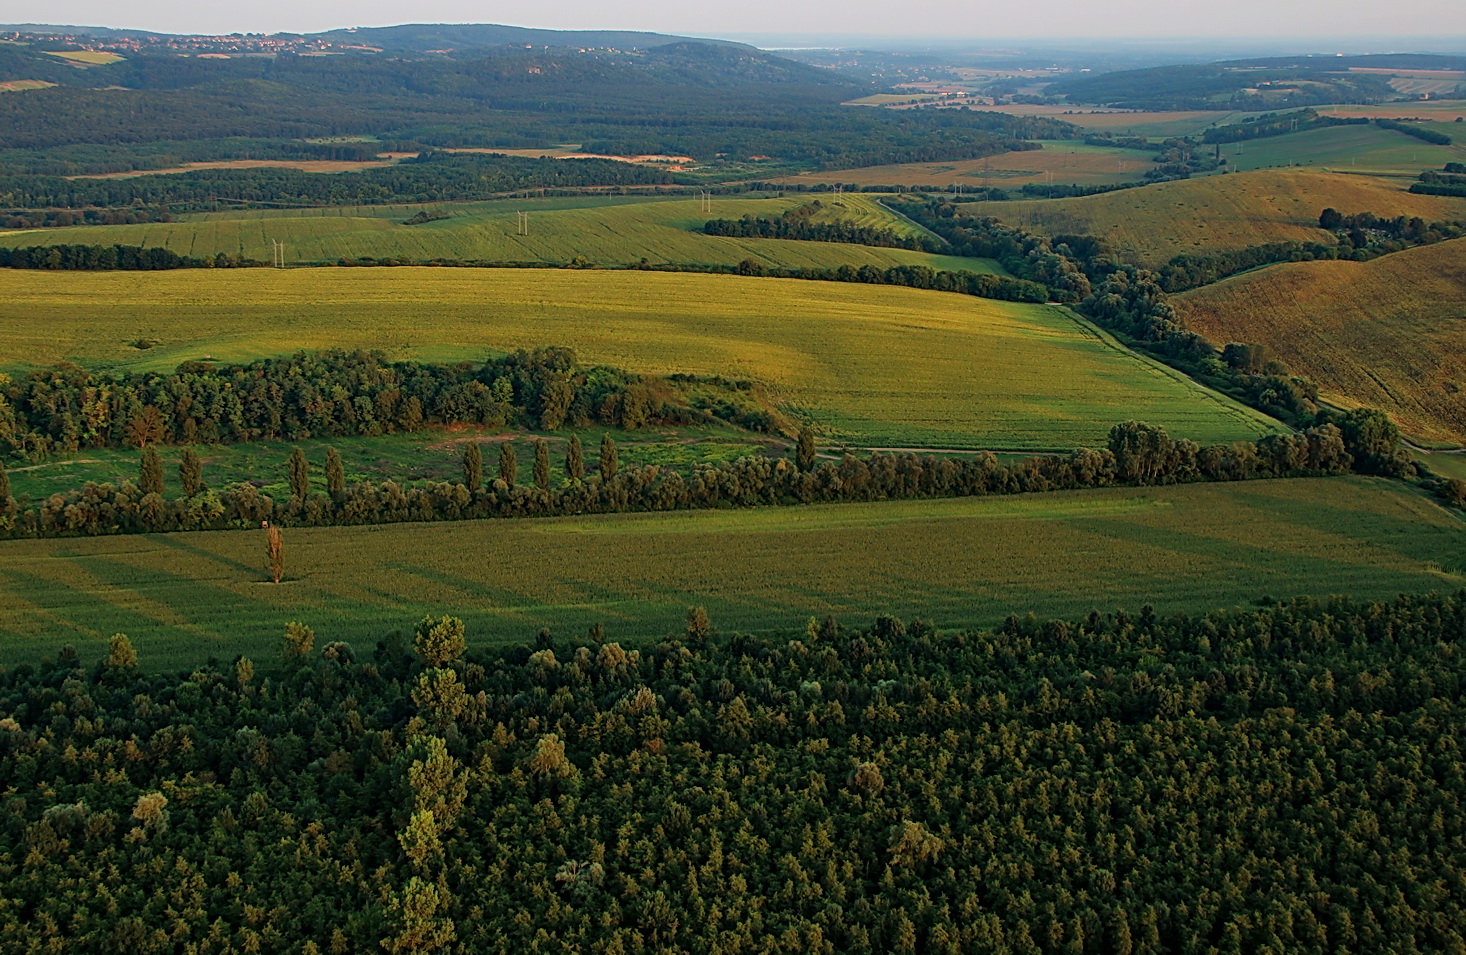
pixel 234 44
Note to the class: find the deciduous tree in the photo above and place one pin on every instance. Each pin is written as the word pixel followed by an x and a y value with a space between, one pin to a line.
pixel 191 472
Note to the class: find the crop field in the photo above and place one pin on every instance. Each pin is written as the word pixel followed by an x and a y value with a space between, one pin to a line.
pixel 602 231
pixel 873 365
pixel 304 165
pixel 86 58
pixel 17 86
pixel 1364 150
pixel 1389 334
pixel 1441 110
pixel 1151 225
pixel 1060 162
pixel 968 562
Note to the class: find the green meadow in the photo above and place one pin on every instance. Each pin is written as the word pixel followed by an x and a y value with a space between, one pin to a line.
pixel 968 562
pixel 1366 150
pixel 599 230
pixel 870 365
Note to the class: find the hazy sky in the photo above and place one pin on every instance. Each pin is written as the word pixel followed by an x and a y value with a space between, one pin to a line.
pixel 1303 19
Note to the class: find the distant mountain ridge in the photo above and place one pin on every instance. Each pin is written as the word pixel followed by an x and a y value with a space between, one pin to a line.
pixel 420 37
pixel 423 37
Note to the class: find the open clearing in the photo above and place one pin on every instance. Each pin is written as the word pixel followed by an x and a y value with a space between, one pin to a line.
pixel 971 562
pixel 1150 226
pixel 1061 162
pixel 1390 333
pixel 1442 110
pixel 17 86
pixel 304 165
pixel 874 365
pixel 85 58
pixel 604 231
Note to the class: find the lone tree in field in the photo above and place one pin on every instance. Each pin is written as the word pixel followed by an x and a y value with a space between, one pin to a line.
pixel 300 475
pixel 541 464
pixel 274 550
pixel 335 475
pixel 508 463
pixel 609 458
pixel 191 472
pixel 439 641
pixel 575 460
pixel 804 451
pixel 150 472
pixel 473 466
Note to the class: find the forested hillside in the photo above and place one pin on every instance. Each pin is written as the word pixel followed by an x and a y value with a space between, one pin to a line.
pixel 1283 779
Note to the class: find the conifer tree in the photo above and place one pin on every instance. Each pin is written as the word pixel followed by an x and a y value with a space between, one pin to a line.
pixel 541 464
pixel 150 472
pixel 804 454
pixel 297 642
pixel 300 475
pixel 191 472
pixel 439 641
pixel 508 463
pixel 120 653
pixel 609 458
pixel 575 460
pixel 335 474
pixel 473 466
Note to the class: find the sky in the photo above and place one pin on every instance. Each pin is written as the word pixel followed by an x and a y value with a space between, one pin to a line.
pixel 1304 19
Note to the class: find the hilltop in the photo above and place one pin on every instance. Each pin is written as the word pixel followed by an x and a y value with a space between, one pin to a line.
pixel 1389 333
pixel 1150 226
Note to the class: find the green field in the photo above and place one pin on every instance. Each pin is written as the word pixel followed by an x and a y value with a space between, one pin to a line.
pixel 1151 225
pixel 1366 150
pixel 603 231
pixel 872 365
pixel 184 597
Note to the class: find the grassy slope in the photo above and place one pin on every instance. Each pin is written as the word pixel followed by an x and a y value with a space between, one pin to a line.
pixel 603 231
pixel 875 365
pixel 1353 149
pixel 1389 333
pixel 184 597
pixel 1153 224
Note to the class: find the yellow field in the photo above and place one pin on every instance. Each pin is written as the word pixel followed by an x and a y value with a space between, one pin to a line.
pixel 16 86
pixel 875 365
pixel 1439 110
pixel 1389 333
pixel 86 57
pixel 1152 225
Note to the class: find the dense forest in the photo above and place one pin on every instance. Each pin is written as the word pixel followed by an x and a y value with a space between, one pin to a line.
pixel 1279 779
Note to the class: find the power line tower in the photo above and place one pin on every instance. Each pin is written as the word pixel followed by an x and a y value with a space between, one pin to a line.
pixel 705 201
pixel 279 261
pixel 523 223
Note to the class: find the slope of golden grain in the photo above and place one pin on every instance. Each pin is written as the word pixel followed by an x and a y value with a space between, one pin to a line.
pixel 1389 333
pixel 1150 225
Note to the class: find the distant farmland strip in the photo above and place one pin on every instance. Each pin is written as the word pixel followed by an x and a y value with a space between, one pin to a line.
pixel 185 597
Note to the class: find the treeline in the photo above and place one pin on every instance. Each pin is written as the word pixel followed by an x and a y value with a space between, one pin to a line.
pixel 1276 124
pixel 1137 454
pixel 1279 778
pixel 14 218
pixel 93 159
pixel 431 177
pixel 1412 129
pixel 110 258
pixel 1362 237
pixel 796 224
pixel 1451 182
pixel 337 393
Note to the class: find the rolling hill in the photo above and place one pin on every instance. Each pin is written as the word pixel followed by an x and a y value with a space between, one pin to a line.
pixel 874 365
pixel 1389 333
pixel 604 231
pixel 1152 225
